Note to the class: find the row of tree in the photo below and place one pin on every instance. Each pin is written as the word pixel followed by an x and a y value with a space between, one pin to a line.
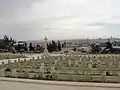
pixel 54 46
pixel 108 48
pixel 8 43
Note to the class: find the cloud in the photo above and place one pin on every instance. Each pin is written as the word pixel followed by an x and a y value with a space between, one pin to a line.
pixel 111 26
pixel 59 19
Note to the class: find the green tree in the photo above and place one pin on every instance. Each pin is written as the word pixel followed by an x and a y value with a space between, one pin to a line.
pixel 7 43
pixel 54 46
pixel 59 46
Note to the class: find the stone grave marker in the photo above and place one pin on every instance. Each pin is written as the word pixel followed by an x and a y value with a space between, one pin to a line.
pixel 56 62
pixel 119 76
pixel 2 65
pixel 2 73
pixel 103 76
pixel 14 73
pixel 42 69
pixel 52 69
pixel 69 63
pixel 26 74
pixel 90 66
pixel 10 65
pixel 76 63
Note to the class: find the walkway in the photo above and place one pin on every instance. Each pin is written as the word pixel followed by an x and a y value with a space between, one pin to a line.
pixel 25 84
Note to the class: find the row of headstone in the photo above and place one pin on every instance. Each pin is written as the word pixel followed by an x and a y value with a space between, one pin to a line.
pixel 69 62
pixel 76 63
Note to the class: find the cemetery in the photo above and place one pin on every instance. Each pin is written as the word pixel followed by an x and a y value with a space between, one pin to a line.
pixel 87 68
pixel 68 66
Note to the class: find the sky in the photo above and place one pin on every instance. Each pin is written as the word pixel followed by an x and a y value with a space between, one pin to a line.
pixel 59 19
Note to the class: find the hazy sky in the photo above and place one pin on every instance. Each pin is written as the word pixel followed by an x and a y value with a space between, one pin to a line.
pixel 59 19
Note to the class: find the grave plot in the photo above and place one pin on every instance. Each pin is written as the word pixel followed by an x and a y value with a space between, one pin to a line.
pixel 87 68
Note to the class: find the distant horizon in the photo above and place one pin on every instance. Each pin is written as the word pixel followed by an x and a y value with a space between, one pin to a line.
pixel 90 38
pixel 75 39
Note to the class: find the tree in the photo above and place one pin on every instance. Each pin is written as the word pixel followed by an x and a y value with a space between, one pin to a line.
pixel 25 47
pixel 54 46
pixel 64 45
pixel 109 45
pixel 95 48
pixel 49 47
pixel 59 46
pixel 7 43
pixel 6 39
pixel 31 48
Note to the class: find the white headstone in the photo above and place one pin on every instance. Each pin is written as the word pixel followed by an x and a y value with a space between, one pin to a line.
pixel 119 76
pixel 90 65
pixel 103 76
pixel 56 62
pixel 10 66
pixel 42 70
pixel 80 59
pixel 2 73
pixel 2 65
pixel 14 73
pixel 69 63
pixel 26 74
pixel 76 62
pixel 42 67
pixel 19 60
pixel 52 69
